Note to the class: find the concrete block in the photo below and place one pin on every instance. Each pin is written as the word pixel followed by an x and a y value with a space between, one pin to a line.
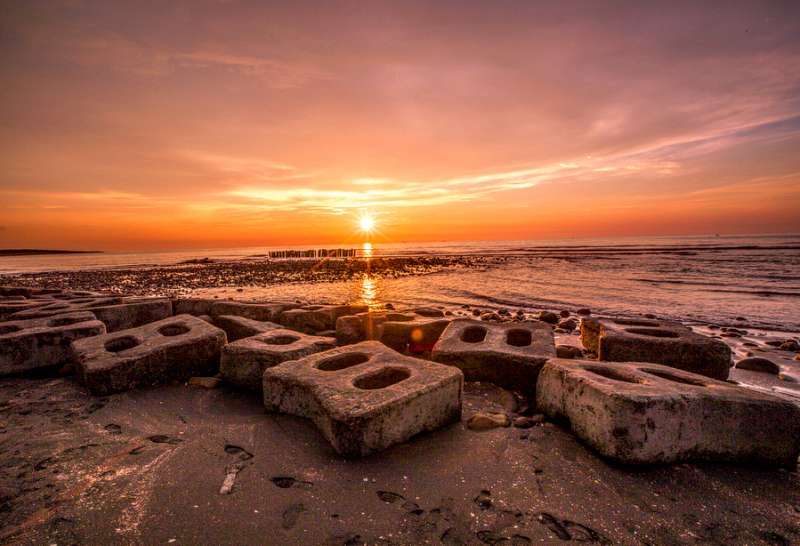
pixel 365 397
pixel 243 362
pixel 648 413
pixel 175 348
pixel 508 354
pixel 316 318
pixel 366 326
pixel 237 328
pixel 117 313
pixel 657 341
pixel 415 336
pixel 27 345
pixel 255 311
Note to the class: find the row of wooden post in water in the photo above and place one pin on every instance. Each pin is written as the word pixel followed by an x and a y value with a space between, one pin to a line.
pixel 315 253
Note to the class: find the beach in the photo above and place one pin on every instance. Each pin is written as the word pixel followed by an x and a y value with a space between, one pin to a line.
pixel 147 466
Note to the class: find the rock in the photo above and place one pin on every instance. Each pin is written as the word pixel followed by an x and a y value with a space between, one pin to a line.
pixel 525 422
pixel 758 364
pixel 509 355
pixel 365 397
pixel 790 345
pixel 172 349
pixel 584 311
pixel 27 345
pixel 548 317
pixel 641 413
pixel 564 313
pixel 429 312
pixel 237 327
pixel 487 421
pixel 504 312
pixel 568 324
pixel 568 351
pixel 476 312
pixel 389 307
pixel 243 362
pixel 672 344
pixel 491 317
pixel 205 382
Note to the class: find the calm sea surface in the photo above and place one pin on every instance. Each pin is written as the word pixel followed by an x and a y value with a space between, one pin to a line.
pixel 707 279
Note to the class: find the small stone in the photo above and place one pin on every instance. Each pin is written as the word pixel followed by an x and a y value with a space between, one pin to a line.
pixel 548 317
pixel 568 351
pixel 584 311
pixel 568 324
pixel 476 312
pixel 491 317
pixel 205 382
pixel 487 421
pixel 790 345
pixel 389 306
pixel 524 422
pixel 564 313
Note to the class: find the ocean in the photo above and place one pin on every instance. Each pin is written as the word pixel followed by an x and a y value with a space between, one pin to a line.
pixel 714 279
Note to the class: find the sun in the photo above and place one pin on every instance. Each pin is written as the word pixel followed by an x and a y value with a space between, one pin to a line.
pixel 366 223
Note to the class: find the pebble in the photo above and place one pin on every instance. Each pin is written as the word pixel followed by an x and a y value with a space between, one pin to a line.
pixel 528 422
pixel 205 382
pixel 548 317
pixel 564 313
pixel 584 311
pixel 487 421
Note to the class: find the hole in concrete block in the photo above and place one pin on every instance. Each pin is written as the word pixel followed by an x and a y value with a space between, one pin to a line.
pixel 341 362
pixel 9 329
pixel 518 338
pixel 119 344
pixel 631 322
pixel 653 332
pixel 173 330
pixel 674 377
pixel 382 378
pixel 280 340
pixel 473 334
pixel 64 321
pixel 610 373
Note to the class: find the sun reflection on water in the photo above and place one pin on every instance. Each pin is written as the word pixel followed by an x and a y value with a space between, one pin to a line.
pixel 369 290
pixel 366 250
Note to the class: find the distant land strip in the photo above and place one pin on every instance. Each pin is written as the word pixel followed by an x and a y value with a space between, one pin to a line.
pixel 37 251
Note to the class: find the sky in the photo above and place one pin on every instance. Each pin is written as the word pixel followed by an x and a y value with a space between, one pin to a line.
pixel 176 125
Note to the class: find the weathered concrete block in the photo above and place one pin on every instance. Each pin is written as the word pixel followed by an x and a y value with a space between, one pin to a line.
pixel 192 306
pixel 44 342
pixel 243 362
pixel 414 336
pixel 365 397
pixel 237 328
pixel 255 311
pixel 657 341
pixel 508 354
pixel 316 318
pixel 647 413
pixel 175 348
pixel 366 326
pixel 117 313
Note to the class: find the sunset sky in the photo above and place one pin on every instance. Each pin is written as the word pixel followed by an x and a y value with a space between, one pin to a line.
pixel 159 125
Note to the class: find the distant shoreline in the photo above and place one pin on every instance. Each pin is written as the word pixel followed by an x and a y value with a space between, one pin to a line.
pixel 40 252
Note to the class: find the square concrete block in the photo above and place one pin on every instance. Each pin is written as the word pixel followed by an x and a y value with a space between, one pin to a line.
pixel 44 342
pixel 648 413
pixel 243 362
pixel 192 306
pixel 365 397
pixel 508 354
pixel 255 311
pixel 657 341
pixel 237 328
pixel 117 313
pixel 366 326
pixel 417 335
pixel 176 348
pixel 317 318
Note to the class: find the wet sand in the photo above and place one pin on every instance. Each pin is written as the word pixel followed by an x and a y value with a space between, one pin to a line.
pixel 146 467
